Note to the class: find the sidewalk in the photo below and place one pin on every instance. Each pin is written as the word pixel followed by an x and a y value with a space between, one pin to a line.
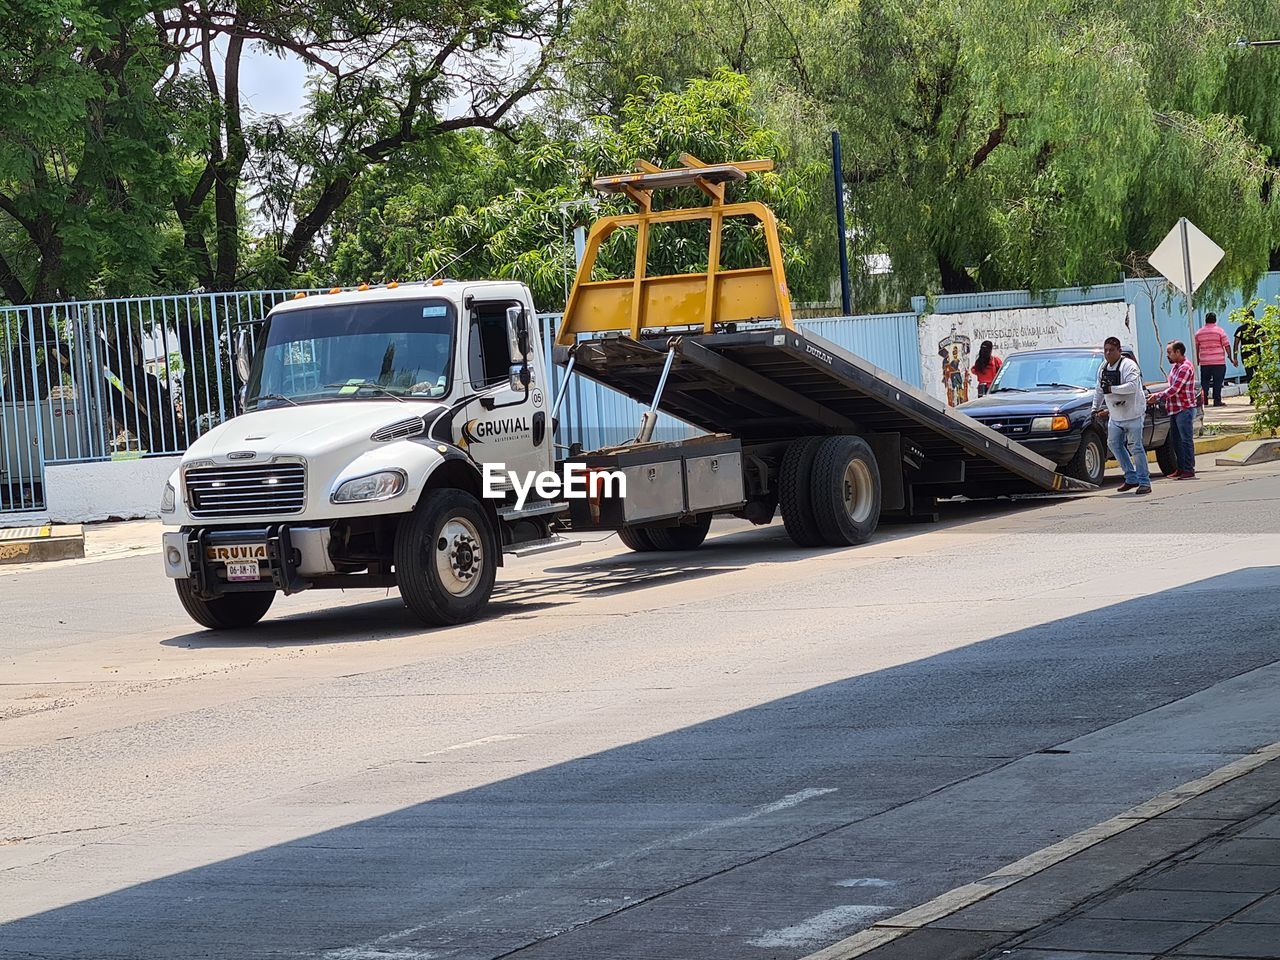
pixel 1198 880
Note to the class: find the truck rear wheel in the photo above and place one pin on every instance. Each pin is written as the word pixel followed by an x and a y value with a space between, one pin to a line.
pixel 636 538
pixel 687 536
pixel 846 491
pixel 445 558
pixel 232 611
pixel 795 497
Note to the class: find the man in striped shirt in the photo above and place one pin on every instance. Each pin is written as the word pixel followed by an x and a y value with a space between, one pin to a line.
pixel 1180 400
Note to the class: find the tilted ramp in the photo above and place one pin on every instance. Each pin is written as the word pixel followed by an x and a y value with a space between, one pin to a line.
pixel 776 384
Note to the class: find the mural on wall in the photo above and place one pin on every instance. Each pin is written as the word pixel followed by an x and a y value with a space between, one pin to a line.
pixel 949 341
pixel 954 351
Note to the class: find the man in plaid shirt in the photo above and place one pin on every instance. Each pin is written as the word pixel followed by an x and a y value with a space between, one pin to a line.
pixel 1180 400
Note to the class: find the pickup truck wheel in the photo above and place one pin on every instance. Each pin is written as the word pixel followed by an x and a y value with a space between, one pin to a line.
pixel 637 539
pixel 233 611
pixel 794 492
pixel 846 491
pixel 687 536
pixel 1167 456
pixel 1090 462
pixel 445 558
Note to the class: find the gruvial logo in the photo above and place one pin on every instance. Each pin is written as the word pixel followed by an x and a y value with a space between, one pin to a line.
pixel 576 482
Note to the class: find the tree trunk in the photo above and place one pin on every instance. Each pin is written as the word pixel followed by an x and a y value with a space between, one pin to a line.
pixel 955 279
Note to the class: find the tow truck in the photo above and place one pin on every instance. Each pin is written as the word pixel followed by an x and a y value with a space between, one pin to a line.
pixel 370 415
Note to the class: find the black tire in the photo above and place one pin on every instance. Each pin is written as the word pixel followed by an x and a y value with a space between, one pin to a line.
pixel 1090 462
pixel 637 539
pixel 845 491
pixel 1167 456
pixel 794 494
pixel 234 611
pixel 687 536
pixel 447 530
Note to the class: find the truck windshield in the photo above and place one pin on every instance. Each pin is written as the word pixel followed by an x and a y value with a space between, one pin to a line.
pixel 1048 371
pixel 371 350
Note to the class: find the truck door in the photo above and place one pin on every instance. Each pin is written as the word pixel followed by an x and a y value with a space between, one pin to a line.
pixel 503 423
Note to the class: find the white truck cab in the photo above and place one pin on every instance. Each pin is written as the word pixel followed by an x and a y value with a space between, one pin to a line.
pixel 356 462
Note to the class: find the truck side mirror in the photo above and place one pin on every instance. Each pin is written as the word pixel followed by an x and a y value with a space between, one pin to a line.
pixel 242 355
pixel 518 325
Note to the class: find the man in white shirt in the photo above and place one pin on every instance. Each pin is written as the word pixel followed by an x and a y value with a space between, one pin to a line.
pixel 1120 399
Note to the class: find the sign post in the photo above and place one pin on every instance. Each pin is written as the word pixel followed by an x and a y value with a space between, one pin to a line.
pixel 1186 257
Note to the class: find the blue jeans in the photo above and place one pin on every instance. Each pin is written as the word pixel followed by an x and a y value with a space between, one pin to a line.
pixel 1182 427
pixel 1125 440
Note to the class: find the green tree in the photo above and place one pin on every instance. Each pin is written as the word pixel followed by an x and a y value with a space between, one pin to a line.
pixel 130 158
pixel 508 207
pixel 1264 358
pixel 1018 143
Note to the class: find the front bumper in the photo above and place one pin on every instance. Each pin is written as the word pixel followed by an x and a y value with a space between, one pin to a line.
pixel 1061 449
pixel 291 556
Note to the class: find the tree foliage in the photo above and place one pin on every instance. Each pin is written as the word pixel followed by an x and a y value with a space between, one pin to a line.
pixel 127 134
pixel 998 143
pixel 508 208
pixel 990 144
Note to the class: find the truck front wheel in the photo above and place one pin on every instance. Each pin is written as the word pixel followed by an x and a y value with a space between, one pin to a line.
pixel 231 611
pixel 446 558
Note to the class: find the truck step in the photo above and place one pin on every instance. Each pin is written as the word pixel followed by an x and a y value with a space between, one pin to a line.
pixel 539 508
pixel 534 547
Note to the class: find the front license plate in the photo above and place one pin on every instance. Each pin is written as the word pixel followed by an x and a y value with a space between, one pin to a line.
pixel 246 570
pixel 234 553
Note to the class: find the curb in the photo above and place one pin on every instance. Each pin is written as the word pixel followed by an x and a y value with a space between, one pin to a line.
pixel 1214 444
pixel 43 544
pixel 953 901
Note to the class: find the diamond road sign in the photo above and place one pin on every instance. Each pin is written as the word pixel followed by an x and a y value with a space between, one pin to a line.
pixel 1204 255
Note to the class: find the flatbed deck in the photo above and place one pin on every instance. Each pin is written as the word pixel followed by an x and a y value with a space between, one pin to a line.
pixel 775 384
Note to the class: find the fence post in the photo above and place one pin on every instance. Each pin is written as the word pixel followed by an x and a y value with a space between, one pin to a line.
pixel 217 357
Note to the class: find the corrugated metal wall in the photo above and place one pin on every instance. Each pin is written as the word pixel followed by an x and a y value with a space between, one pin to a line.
pixel 1160 314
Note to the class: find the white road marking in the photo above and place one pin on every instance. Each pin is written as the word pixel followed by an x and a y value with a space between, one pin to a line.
pixel 820 928
pixel 866 882
pixel 786 803
pixel 375 950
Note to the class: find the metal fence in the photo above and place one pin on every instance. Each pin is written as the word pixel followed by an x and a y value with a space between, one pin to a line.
pixel 113 379
pixel 121 379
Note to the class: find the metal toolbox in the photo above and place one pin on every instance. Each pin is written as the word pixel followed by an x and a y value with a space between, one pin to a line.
pixel 664 481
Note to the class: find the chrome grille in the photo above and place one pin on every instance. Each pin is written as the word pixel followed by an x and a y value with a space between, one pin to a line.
pixel 274 489
pixel 1009 425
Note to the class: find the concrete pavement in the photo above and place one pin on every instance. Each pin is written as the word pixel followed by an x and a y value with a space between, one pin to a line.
pixel 751 755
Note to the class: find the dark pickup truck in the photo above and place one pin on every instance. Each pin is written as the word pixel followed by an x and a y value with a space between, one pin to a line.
pixel 1044 398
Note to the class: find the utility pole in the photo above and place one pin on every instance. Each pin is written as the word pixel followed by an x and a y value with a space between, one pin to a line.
pixel 846 300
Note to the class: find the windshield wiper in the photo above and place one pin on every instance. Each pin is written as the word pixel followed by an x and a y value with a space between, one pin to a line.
pixel 257 401
pixel 1008 390
pixel 362 384
pixel 1069 386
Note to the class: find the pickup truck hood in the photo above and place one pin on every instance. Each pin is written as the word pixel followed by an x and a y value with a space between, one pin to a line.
pixel 1039 404
pixel 306 430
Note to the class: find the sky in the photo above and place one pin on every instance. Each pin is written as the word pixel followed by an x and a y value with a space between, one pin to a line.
pixel 272 84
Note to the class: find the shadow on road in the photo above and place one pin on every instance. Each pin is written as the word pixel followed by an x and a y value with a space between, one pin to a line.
pixel 699 841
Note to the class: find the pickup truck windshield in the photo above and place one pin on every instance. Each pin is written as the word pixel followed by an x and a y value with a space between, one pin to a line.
pixel 372 350
pixel 1029 372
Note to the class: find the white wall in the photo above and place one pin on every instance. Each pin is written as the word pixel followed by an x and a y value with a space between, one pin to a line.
pixel 117 489
pixel 1024 328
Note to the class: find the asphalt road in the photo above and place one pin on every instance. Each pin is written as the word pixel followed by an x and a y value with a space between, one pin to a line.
pixel 747 752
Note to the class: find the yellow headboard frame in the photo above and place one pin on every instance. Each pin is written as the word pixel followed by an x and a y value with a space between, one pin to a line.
pixel 695 300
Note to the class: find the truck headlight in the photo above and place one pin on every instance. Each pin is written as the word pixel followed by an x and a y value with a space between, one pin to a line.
pixel 1050 424
pixel 168 499
pixel 382 485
